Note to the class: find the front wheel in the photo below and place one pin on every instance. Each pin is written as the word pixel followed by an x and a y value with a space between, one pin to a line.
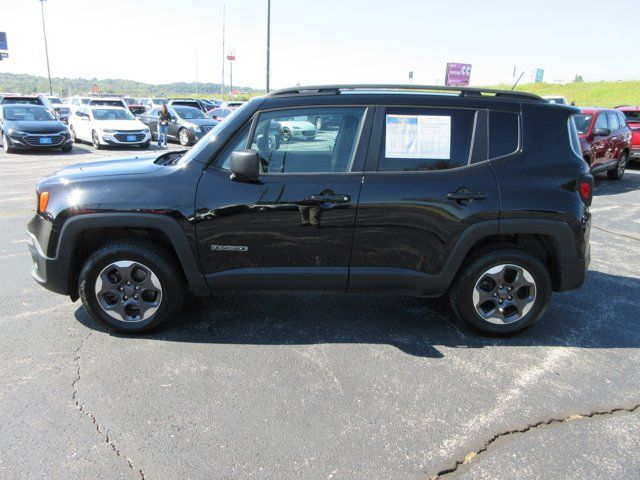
pixel 131 286
pixel 67 148
pixel 6 145
pixel 501 292
pixel 618 172
pixel 95 140
pixel 145 145
pixel 74 137
pixel 183 136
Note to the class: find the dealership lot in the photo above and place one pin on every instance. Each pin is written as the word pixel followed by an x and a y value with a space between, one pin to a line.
pixel 319 386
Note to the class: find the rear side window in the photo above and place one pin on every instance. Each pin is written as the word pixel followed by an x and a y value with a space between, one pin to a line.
pixel 504 132
pixel 427 139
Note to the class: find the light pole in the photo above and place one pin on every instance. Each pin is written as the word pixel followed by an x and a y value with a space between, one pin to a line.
pixel 224 15
pixel 46 48
pixel 268 39
pixel 197 53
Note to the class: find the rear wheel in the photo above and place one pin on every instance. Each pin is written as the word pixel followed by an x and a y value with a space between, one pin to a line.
pixel 618 172
pixel 131 286
pixel 501 292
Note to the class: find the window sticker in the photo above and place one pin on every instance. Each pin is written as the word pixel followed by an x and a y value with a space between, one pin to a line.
pixel 418 136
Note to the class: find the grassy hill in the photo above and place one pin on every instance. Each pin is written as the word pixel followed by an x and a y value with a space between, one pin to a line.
pixel 592 94
pixel 23 83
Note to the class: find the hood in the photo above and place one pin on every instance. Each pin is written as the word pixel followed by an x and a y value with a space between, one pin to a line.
pixel 120 124
pixel 138 165
pixel 47 126
pixel 207 122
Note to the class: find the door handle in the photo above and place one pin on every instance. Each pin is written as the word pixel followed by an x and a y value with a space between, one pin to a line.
pixel 464 196
pixel 336 198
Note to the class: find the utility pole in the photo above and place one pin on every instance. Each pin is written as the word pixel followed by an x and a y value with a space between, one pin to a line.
pixel 224 13
pixel 46 48
pixel 268 40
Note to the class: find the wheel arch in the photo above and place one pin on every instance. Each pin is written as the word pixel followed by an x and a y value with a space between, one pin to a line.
pixel 84 234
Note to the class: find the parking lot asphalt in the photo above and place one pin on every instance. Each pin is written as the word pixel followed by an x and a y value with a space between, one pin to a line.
pixel 319 386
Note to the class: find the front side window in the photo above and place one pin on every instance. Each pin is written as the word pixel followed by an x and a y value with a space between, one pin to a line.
pixel 582 122
pixel 426 139
pixel 613 121
pixel 601 121
pixel 288 141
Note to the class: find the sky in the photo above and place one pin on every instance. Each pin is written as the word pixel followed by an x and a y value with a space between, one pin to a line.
pixel 324 41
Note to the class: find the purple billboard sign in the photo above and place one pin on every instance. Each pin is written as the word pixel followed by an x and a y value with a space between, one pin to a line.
pixel 458 75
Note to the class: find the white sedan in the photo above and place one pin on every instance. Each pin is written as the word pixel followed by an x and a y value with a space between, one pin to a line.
pixel 104 125
pixel 294 129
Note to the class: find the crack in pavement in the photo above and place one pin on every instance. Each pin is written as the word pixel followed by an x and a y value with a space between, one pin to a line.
pixel 630 237
pixel 81 407
pixel 542 423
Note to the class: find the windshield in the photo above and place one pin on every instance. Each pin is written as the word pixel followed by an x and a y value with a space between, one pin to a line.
pixel 111 103
pixel 582 123
pixel 188 113
pixel 633 116
pixel 130 101
pixel 208 138
pixel 85 101
pixel 160 101
pixel 112 114
pixel 27 113
pixel 55 100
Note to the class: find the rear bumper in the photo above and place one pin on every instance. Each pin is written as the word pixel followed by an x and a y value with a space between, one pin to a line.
pixel 635 153
pixel 573 272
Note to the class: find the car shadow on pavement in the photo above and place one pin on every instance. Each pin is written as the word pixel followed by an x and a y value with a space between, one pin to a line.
pixel 628 183
pixel 603 314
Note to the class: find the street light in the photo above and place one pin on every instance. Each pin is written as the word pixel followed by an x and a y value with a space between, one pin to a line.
pixel 197 53
pixel 268 39
pixel 46 48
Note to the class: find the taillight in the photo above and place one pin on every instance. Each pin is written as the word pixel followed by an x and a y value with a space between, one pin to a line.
pixel 585 188
pixel 43 202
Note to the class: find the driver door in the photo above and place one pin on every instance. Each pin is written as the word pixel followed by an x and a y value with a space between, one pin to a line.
pixel 293 228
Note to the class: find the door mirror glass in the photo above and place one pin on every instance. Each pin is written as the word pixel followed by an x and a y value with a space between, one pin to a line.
pixel 245 165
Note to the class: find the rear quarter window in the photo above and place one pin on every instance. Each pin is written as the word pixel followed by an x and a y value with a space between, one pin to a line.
pixel 504 133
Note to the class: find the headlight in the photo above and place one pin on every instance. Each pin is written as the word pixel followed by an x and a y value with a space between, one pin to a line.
pixel 108 130
pixel 146 130
pixel 13 131
pixel 197 129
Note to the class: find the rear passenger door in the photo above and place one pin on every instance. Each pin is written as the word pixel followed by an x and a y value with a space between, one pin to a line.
pixel 426 180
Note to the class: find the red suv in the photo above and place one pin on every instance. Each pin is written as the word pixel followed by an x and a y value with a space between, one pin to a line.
pixel 633 122
pixel 605 140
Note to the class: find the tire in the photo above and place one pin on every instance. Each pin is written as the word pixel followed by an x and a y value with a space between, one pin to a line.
pixel 618 172
pixel 145 145
pixel 95 140
pixel 6 145
pixel 74 137
pixel 67 148
pixel 159 278
pixel 318 123
pixel 183 136
pixel 286 134
pixel 489 269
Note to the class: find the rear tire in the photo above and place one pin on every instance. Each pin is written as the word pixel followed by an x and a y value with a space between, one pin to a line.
pixel 120 306
pixel 618 172
pixel 479 301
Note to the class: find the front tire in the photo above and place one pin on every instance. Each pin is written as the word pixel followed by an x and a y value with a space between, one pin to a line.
pixel 618 172
pixel 6 145
pixel 131 286
pixel 67 148
pixel 145 145
pixel 74 137
pixel 501 292
pixel 95 140
pixel 183 136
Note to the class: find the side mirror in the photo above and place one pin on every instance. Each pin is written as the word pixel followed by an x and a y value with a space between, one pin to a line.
pixel 245 165
pixel 602 132
pixel 173 120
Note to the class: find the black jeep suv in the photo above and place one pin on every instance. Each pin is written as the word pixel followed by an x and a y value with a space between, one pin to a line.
pixel 480 194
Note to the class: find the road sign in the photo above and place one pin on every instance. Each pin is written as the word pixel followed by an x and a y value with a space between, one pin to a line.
pixel 539 75
pixel 457 75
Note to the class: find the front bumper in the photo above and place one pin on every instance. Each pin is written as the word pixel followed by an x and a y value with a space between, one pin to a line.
pixel 124 138
pixel 47 271
pixel 57 140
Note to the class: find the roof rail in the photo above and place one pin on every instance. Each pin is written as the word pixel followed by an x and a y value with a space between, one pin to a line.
pixel 462 91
